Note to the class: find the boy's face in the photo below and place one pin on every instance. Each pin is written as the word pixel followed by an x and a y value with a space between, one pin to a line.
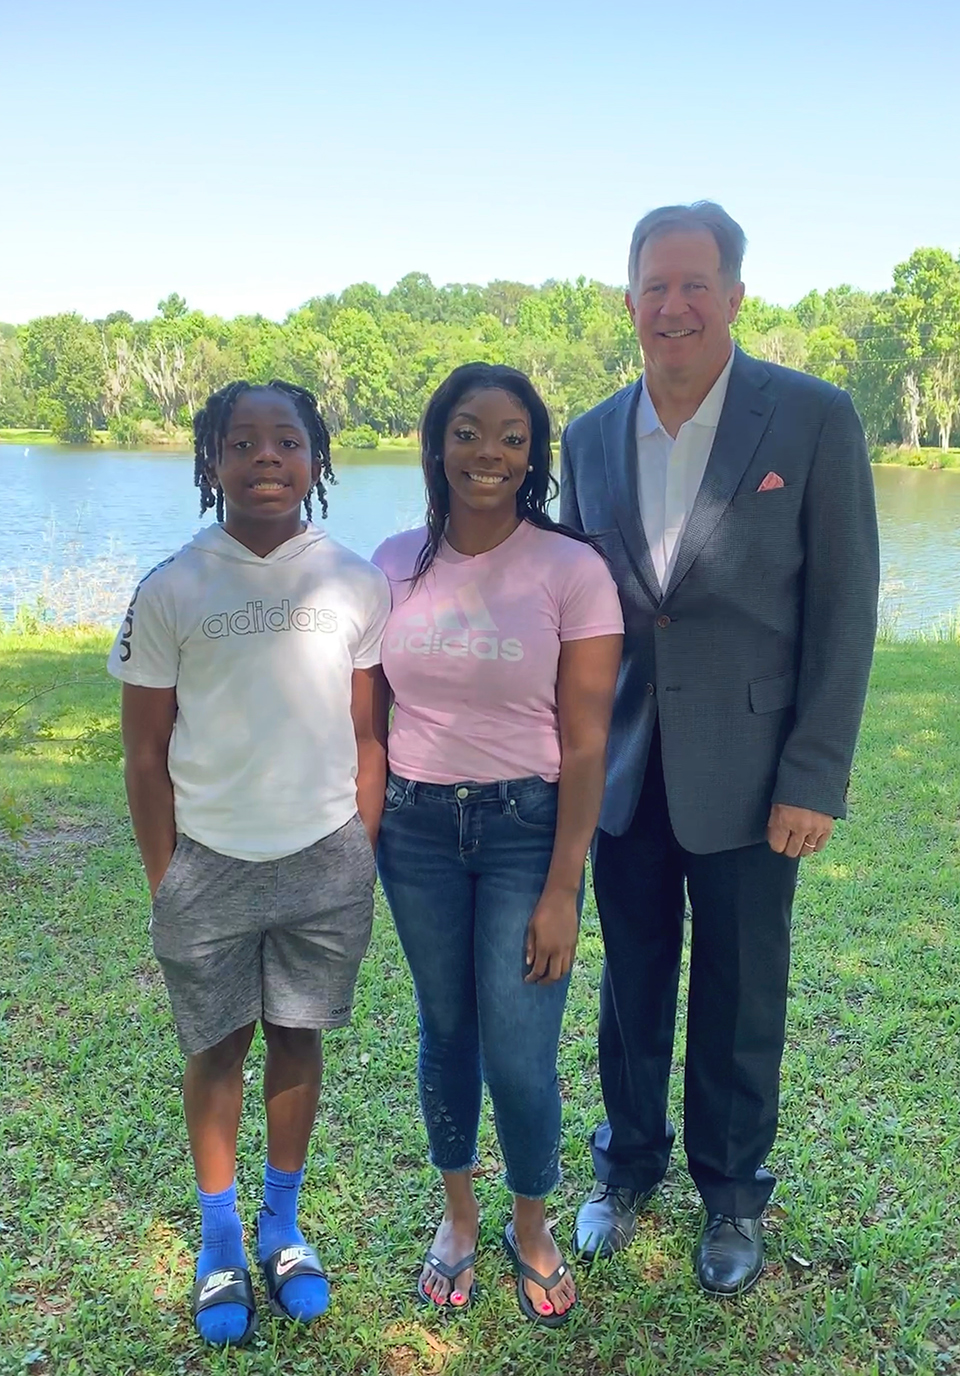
pixel 265 468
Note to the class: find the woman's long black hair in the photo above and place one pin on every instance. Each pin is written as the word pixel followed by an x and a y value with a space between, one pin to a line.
pixel 539 487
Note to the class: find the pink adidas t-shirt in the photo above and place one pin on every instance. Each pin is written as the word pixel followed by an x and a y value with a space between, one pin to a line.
pixel 471 652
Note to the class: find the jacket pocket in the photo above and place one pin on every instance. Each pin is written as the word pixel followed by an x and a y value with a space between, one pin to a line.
pixel 771 501
pixel 774 693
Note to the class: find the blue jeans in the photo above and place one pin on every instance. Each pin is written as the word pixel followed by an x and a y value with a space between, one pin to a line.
pixel 463 866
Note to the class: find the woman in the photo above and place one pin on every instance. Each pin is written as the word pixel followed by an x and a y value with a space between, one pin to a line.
pixel 501 652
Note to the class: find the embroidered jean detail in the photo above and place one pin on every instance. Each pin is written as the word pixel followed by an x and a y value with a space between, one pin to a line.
pixel 463 876
pixel 450 1149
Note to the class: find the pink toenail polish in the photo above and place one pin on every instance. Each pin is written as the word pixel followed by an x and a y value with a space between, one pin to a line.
pixel 457 1297
pixel 546 1308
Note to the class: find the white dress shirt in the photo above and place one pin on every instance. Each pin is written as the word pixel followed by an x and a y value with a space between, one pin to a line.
pixel 671 470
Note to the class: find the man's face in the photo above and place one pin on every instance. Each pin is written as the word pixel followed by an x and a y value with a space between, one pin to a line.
pixel 684 306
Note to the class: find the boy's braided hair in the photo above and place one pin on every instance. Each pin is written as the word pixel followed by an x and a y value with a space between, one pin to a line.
pixel 212 421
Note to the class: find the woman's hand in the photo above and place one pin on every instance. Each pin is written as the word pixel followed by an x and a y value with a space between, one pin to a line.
pixel 552 937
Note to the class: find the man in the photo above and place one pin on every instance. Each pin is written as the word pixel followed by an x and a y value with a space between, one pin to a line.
pixel 734 500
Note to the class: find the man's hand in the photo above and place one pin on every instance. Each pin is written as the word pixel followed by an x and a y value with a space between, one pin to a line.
pixel 797 831
pixel 552 937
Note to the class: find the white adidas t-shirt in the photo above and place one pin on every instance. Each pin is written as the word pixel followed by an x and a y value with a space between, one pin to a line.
pixel 263 756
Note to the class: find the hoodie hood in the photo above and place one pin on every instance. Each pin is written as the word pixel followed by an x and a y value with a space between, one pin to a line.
pixel 215 540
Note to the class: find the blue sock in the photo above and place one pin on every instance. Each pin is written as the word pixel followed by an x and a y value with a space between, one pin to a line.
pixel 303 1297
pixel 222 1235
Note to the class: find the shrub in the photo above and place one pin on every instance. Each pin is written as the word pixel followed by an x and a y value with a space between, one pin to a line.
pixel 124 429
pixel 360 437
pixel 911 458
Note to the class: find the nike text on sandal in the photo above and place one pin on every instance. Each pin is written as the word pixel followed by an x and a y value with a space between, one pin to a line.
pixel 283 1265
pixel 449 1273
pixel 545 1282
pixel 229 1285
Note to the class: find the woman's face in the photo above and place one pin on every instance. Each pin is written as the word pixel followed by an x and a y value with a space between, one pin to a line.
pixel 486 450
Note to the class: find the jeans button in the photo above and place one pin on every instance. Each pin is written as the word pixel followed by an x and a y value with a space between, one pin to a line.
pixel 463 793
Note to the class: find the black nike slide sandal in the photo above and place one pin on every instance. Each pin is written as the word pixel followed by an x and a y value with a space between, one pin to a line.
pixel 229 1285
pixel 281 1266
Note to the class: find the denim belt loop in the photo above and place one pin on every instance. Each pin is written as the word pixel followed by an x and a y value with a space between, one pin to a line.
pixel 504 794
pixel 409 790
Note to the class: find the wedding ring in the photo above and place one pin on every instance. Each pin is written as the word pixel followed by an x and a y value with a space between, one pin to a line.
pixel 809 845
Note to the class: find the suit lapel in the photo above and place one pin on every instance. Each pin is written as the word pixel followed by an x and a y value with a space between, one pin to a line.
pixel 618 429
pixel 743 420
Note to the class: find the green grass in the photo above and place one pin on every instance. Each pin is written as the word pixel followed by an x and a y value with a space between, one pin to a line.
pixel 155 437
pixel 387 442
pixel 97 1221
pixel 901 456
pixel 26 437
pixel 391 448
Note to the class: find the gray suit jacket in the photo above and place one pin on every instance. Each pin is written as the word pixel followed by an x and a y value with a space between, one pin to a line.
pixel 757 656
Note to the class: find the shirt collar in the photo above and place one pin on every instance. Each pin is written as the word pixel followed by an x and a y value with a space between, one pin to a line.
pixel 648 422
pixel 707 413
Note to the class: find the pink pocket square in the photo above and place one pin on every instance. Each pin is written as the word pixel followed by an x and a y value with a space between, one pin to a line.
pixel 770 482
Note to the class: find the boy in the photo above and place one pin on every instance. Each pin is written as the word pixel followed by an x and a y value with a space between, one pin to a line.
pixel 255 779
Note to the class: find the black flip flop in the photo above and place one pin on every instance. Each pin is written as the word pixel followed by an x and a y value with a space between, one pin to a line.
pixel 545 1282
pixel 228 1285
pixel 449 1273
pixel 281 1266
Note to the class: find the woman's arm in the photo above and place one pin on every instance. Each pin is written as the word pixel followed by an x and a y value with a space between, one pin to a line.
pixel 586 680
pixel 369 708
pixel 146 722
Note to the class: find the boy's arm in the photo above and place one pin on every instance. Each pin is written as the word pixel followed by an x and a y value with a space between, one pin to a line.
pixel 146 718
pixel 369 708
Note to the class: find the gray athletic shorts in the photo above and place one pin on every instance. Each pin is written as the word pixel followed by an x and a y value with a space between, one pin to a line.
pixel 280 940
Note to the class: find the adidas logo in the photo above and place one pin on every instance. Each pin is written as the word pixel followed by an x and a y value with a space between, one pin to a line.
pixel 462 626
pixel 253 620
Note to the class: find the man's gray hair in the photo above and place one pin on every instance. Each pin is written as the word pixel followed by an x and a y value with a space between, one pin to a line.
pixel 670 219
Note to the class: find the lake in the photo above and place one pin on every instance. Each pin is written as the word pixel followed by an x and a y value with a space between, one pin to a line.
pixel 80 526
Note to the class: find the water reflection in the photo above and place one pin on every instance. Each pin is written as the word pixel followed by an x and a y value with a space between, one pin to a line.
pixel 85 523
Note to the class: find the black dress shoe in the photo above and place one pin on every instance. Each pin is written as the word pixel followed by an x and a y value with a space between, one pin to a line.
pixel 607 1221
pixel 730 1255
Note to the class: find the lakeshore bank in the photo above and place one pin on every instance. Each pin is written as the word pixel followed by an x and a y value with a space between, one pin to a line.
pixel 899 456
pixel 98 1226
pixel 176 440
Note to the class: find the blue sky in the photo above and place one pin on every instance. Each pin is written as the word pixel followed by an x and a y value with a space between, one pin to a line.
pixel 249 156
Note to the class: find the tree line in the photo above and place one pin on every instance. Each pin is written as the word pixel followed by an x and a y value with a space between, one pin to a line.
pixel 373 358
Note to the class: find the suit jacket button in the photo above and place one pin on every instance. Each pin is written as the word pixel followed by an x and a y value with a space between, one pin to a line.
pixel 663 621
pixel 651 689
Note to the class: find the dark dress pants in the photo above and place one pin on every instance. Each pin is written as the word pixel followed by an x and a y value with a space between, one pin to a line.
pixel 739 961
